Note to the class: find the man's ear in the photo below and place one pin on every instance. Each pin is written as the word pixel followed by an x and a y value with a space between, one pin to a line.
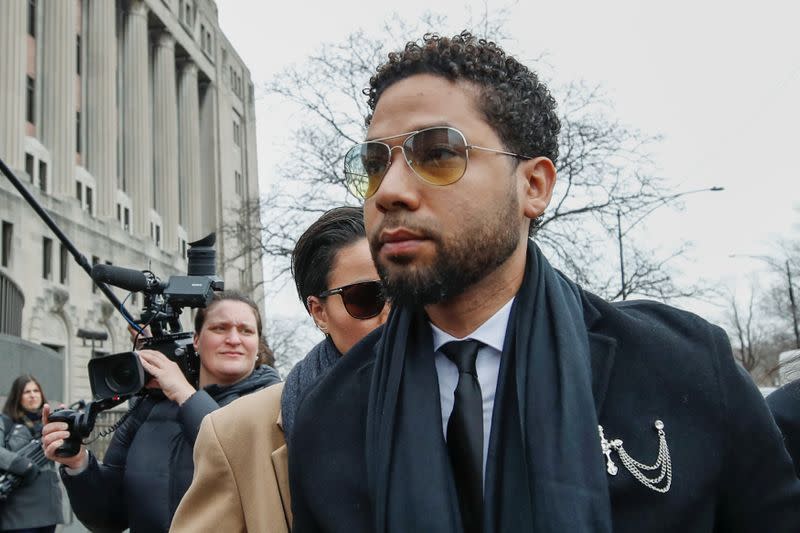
pixel 539 175
pixel 317 312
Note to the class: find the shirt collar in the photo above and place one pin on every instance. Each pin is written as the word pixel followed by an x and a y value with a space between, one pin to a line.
pixel 492 332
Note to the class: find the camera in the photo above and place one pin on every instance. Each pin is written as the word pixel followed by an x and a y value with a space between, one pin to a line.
pixel 117 377
pixel 122 374
pixel 78 430
pixel 80 422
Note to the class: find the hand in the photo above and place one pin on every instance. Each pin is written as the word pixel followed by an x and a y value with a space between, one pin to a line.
pixel 167 376
pixel 53 435
pixel 24 468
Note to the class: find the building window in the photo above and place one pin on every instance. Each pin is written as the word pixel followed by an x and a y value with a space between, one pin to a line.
pixel 30 94
pixel 47 258
pixel 8 237
pixel 29 164
pixel 119 213
pixel 63 263
pixel 89 200
pixel 32 18
pixel 209 46
pixel 155 233
pixel 78 54
pixel 79 192
pixel 237 134
pixel 236 82
pixel 43 176
pixel 239 185
pixel 78 132
pixel 183 248
pixel 187 13
pixel 126 222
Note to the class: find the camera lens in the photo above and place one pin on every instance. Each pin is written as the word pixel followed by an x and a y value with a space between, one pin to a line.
pixel 122 376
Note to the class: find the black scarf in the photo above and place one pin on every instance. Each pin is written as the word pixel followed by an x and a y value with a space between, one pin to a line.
pixel 545 471
pixel 33 420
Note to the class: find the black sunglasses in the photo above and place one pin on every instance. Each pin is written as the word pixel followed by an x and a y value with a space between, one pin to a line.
pixel 361 300
pixel 438 155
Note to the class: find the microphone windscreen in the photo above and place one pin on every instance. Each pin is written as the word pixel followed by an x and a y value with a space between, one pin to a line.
pixel 124 278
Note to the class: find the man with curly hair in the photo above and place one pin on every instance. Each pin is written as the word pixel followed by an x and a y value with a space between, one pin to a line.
pixel 500 396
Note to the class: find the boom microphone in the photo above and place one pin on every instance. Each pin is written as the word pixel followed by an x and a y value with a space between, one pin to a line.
pixel 124 278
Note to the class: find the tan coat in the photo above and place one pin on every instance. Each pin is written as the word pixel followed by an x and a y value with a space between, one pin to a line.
pixel 241 474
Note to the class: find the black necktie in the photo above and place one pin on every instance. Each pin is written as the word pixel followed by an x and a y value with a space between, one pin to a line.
pixel 465 433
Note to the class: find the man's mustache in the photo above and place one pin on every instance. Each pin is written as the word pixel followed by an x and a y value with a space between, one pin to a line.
pixel 425 231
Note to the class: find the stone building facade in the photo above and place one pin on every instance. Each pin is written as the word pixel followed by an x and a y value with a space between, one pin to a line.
pixel 132 123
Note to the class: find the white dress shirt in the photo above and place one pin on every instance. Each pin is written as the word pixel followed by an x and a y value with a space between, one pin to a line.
pixel 492 334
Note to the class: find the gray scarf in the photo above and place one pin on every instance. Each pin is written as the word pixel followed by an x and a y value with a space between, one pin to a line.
pixel 314 365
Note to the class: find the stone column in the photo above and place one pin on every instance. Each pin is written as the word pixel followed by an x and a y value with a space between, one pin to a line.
pixel 136 116
pixel 165 139
pixel 212 204
pixel 192 192
pixel 13 24
pixel 58 92
pixel 100 115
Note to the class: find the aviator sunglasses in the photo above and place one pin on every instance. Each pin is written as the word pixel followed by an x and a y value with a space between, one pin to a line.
pixel 437 155
pixel 361 300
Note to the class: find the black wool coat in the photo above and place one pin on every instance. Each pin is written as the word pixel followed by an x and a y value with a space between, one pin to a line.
pixel 731 472
pixel 148 466
pixel 785 406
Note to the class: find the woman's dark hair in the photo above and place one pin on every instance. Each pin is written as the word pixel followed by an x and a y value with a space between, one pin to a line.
pixel 13 407
pixel 514 102
pixel 265 355
pixel 316 249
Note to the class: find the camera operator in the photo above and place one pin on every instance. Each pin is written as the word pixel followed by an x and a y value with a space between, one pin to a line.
pixel 148 466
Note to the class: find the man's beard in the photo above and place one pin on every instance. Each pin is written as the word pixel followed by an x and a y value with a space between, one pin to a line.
pixel 469 256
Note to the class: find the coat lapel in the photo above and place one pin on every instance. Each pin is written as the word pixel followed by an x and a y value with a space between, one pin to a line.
pixel 602 349
pixel 280 464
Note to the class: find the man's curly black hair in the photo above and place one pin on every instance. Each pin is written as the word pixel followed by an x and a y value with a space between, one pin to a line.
pixel 515 103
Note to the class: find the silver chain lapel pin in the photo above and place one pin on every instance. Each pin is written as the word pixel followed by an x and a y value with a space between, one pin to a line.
pixel 662 469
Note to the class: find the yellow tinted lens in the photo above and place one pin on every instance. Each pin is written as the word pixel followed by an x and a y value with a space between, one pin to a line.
pixel 437 155
pixel 364 167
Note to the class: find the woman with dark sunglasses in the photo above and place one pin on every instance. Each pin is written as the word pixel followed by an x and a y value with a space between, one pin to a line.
pixel 337 281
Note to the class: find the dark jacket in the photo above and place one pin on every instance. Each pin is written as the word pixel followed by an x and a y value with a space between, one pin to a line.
pixel 785 406
pixel 37 502
pixel 730 470
pixel 148 466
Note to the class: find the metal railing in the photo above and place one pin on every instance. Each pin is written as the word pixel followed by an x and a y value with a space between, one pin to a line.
pixel 105 420
pixel 12 301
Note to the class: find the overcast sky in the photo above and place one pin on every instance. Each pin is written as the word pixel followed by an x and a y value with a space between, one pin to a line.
pixel 719 80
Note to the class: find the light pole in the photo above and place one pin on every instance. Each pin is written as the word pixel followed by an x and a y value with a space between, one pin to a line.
pixel 792 302
pixel 657 203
